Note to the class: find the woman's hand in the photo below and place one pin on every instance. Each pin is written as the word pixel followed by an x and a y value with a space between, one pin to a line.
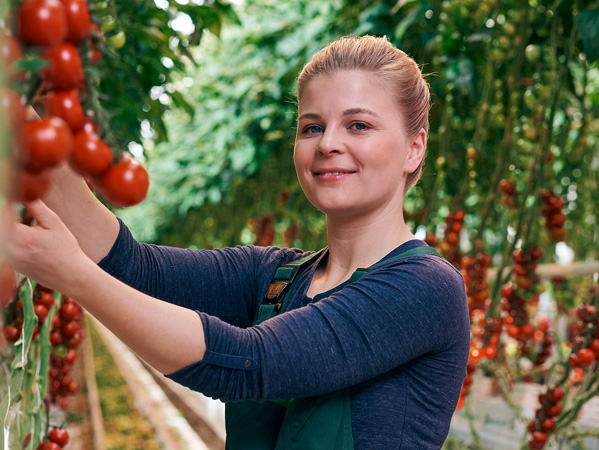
pixel 167 336
pixel 46 252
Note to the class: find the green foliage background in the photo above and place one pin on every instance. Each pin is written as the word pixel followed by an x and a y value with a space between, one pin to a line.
pixel 512 81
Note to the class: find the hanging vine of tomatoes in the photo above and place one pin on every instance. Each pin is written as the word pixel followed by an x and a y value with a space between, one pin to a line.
pixel 60 42
pixel 51 116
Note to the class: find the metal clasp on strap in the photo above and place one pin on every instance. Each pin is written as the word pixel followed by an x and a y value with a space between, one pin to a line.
pixel 275 290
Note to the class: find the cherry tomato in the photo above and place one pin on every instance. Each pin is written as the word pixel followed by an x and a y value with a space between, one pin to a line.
pixel 42 22
pixel 69 329
pixel 91 156
pixel 67 106
pixel 97 37
pixel 46 299
pixel 69 311
pixel 70 357
pixel 51 446
pixel 556 395
pixel 586 357
pixel 55 338
pixel 125 184
pixel 13 109
pixel 41 312
pixel 26 186
pixel 65 69
pixel 11 333
pixel 7 284
pixel 44 143
pixel 78 20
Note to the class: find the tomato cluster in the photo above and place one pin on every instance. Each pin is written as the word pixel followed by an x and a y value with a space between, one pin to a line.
pixel 585 350
pixel 65 337
pixel 474 271
pixel 544 422
pixel 43 300
pixel 449 245
pixel 62 34
pixel 56 439
pixel 554 217
pixel 545 342
pixel 508 193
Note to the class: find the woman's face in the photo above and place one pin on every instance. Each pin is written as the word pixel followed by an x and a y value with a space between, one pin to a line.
pixel 352 155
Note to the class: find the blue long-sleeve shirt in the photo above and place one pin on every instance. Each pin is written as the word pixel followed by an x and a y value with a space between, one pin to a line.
pixel 398 336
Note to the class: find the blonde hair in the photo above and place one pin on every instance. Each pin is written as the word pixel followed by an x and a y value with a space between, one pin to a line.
pixel 392 66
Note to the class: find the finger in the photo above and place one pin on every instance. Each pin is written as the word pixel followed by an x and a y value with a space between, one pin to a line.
pixel 43 215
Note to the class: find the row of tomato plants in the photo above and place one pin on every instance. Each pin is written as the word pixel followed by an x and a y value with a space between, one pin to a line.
pixel 50 116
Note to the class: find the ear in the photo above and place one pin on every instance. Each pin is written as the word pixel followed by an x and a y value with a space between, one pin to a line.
pixel 416 151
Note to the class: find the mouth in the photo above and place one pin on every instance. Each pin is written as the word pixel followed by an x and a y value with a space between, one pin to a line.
pixel 332 174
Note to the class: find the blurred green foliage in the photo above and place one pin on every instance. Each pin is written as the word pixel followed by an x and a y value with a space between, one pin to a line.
pixel 514 83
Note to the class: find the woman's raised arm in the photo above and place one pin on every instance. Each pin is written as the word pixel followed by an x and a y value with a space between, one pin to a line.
pixel 95 226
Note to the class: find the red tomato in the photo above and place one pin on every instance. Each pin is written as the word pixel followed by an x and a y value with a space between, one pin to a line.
pixel 44 143
pixel 69 329
pixel 7 284
pixel 65 69
pixel 78 20
pixel 125 184
pixel 13 109
pixel 27 186
pixel 46 299
pixel 41 312
pixel 51 446
pixel 97 36
pixel 60 436
pixel 70 357
pixel 11 333
pixel 69 311
pixel 91 156
pixel 42 22
pixel 586 356
pixel 556 395
pixel 67 106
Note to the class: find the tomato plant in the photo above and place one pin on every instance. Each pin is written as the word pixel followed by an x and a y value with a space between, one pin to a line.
pixel 42 22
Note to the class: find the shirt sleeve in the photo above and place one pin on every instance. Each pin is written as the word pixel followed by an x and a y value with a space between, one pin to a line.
pixel 223 283
pixel 394 314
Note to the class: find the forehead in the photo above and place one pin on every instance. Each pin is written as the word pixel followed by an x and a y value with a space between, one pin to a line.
pixel 347 89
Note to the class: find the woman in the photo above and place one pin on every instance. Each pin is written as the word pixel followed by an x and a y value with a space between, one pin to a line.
pixel 345 358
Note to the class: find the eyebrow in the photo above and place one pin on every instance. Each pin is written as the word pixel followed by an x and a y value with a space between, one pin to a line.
pixel 347 112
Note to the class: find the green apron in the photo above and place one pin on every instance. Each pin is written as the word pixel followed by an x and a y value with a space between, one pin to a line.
pixel 311 423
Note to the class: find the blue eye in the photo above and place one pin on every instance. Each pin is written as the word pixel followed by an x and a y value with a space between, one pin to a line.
pixel 359 126
pixel 312 129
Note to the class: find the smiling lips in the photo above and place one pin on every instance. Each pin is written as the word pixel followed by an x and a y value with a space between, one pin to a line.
pixel 332 174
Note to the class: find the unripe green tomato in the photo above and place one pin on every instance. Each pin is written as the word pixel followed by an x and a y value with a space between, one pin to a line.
pixel 532 53
pixel 117 41
pixel 109 24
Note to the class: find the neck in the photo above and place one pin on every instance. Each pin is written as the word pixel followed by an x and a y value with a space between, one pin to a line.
pixel 363 241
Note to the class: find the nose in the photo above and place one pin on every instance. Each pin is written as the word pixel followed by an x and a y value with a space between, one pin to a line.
pixel 330 142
